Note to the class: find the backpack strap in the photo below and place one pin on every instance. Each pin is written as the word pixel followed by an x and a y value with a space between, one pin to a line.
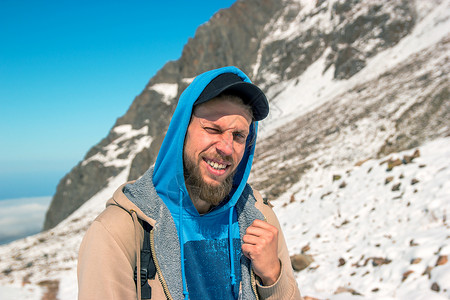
pixel 148 268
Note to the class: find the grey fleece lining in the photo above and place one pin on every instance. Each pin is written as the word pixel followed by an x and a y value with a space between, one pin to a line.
pixel 247 213
pixel 143 194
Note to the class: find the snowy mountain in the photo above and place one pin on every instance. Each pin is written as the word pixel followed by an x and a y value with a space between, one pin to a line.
pixel 355 88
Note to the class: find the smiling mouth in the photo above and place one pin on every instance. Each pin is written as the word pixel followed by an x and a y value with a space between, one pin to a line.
pixel 216 166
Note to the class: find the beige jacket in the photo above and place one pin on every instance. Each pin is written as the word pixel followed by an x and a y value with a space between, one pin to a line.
pixel 107 256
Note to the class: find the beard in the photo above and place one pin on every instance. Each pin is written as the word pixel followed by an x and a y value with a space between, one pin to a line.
pixel 199 189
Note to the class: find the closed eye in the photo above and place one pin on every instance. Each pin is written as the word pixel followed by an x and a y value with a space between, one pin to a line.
pixel 212 130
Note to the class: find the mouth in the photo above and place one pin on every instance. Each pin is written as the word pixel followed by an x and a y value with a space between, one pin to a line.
pixel 216 167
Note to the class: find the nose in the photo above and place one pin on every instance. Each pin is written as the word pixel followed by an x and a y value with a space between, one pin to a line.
pixel 225 144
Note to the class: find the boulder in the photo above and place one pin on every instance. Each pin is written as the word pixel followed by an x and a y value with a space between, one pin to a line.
pixel 301 261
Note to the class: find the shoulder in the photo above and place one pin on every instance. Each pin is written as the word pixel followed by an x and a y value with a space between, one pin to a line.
pixel 107 257
pixel 265 207
pixel 260 199
pixel 115 220
pixel 115 225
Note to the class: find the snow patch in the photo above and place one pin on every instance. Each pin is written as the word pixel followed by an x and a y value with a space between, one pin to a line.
pixel 167 90
pixel 131 140
pixel 359 216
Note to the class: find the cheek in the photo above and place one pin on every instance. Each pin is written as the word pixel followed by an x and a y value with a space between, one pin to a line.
pixel 195 144
pixel 239 153
pixel 189 146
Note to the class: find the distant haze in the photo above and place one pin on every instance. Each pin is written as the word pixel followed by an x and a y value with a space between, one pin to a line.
pixel 21 217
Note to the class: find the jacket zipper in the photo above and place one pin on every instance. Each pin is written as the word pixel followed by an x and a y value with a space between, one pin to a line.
pixel 253 282
pixel 252 276
pixel 158 269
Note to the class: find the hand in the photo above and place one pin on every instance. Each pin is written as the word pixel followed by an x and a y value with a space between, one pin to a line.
pixel 261 247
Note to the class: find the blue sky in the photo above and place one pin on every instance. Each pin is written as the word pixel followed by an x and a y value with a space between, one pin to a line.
pixel 69 69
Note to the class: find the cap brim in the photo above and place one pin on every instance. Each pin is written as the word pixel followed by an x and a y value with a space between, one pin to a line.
pixel 248 92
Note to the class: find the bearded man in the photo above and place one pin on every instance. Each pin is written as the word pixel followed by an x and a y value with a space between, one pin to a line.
pixel 191 227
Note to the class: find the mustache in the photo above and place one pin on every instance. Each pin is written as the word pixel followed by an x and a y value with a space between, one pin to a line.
pixel 219 157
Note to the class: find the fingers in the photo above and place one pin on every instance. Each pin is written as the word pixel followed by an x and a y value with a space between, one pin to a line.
pixel 250 239
pixel 260 245
pixel 262 224
pixel 258 237
pixel 260 229
pixel 246 250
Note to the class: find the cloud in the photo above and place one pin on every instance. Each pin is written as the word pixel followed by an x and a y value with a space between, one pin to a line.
pixel 21 217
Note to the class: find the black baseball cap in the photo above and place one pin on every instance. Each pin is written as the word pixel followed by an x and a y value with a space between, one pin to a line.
pixel 232 84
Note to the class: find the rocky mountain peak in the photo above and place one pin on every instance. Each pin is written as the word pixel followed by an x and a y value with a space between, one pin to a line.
pixel 277 46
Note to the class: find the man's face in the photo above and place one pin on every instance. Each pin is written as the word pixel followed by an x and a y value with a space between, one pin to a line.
pixel 214 146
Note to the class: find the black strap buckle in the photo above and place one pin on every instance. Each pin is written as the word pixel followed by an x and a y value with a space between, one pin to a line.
pixel 146 290
pixel 144 275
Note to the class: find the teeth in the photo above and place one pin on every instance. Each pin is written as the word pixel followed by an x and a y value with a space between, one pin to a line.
pixel 216 165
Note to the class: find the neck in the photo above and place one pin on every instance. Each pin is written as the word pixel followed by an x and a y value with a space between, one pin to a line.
pixel 202 206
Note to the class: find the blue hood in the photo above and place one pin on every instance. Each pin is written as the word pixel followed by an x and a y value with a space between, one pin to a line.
pixel 168 177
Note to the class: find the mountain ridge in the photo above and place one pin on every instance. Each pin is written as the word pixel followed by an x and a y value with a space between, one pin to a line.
pixel 153 108
pixel 265 46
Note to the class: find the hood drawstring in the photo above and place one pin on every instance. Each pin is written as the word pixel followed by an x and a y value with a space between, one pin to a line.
pixel 231 250
pixel 180 233
pixel 230 243
pixel 138 252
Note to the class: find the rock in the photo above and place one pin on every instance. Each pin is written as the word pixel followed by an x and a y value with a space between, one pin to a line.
pixel 406 274
pixel 341 262
pixel 292 200
pixel 144 159
pixel 343 289
pixel 396 187
pixel 388 179
pixel 345 222
pixel 76 187
pixel 427 271
pixel 361 162
pixel 349 61
pixel 326 194
pixel 306 248
pixel 392 163
pixel 409 158
pixel 336 177
pixel 342 185
pixel 414 181
pixel 435 287
pixel 412 243
pixel 415 261
pixel 7 271
pixel 26 279
pixel 301 261
pixel 442 260
pixel 378 261
pixel 51 289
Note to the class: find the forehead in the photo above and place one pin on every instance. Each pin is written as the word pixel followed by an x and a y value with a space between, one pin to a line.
pixel 215 109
